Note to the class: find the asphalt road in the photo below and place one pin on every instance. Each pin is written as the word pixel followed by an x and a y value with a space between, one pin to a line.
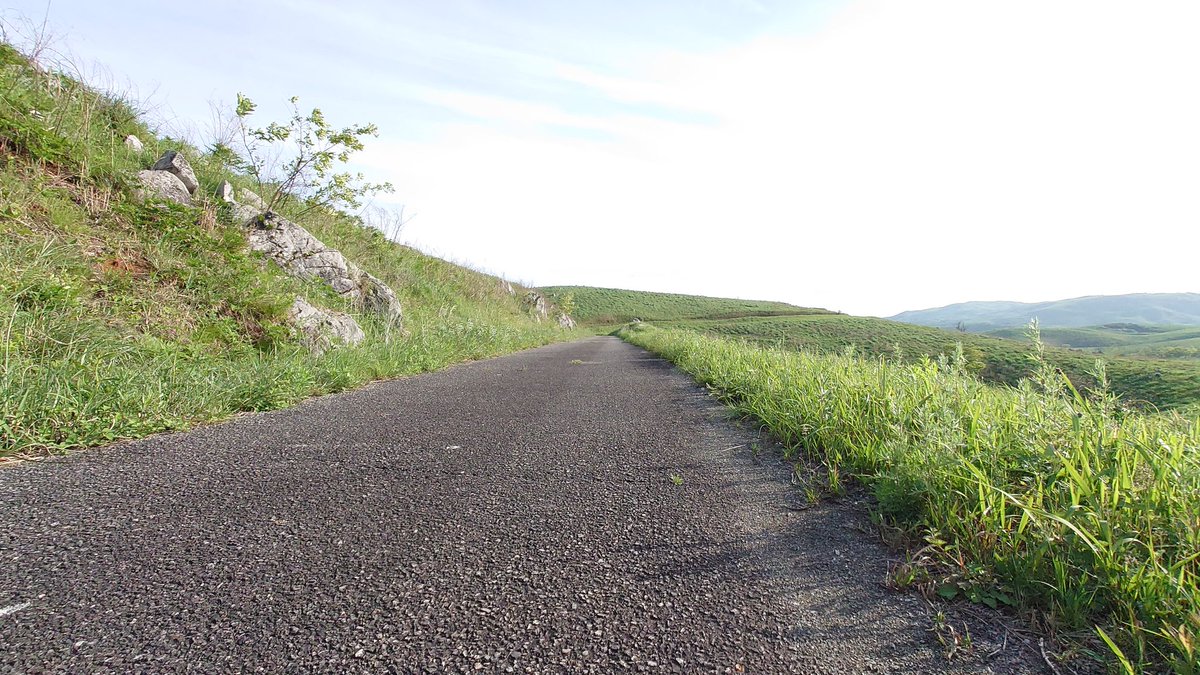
pixel 577 508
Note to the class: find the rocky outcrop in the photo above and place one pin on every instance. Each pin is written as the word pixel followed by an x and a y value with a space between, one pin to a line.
pixel 175 163
pixel 507 287
pixel 378 296
pixel 535 304
pixel 171 178
pixel 134 143
pixel 539 309
pixel 291 247
pixel 321 329
pixel 162 185
pixel 303 255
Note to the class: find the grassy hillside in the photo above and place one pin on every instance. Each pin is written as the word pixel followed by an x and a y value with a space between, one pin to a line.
pixel 1123 339
pixel 1068 509
pixel 1180 309
pixel 122 318
pixel 1161 383
pixel 600 306
pixel 1165 384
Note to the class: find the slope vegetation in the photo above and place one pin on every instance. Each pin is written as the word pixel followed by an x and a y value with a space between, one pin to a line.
pixel 1065 507
pixel 601 306
pixel 121 318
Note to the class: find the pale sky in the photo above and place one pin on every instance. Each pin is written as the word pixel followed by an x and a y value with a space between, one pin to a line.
pixel 868 156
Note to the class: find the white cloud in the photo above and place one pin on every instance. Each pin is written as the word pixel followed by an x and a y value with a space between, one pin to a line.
pixel 908 154
pixel 885 156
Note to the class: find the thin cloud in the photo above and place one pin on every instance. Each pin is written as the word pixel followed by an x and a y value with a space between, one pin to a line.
pixel 902 146
pixel 868 155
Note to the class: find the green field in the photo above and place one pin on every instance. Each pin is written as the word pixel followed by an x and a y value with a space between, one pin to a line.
pixel 1124 339
pixel 610 306
pixel 1160 383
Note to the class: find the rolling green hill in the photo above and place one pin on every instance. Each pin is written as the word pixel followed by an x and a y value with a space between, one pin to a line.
pixel 1180 309
pixel 1161 383
pixel 606 306
pixel 1122 339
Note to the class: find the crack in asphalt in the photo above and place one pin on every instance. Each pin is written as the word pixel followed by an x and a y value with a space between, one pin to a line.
pixel 520 514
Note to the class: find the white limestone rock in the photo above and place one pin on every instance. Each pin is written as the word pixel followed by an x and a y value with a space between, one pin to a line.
pixel 225 192
pixel 321 329
pixel 536 304
pixel 303 255
pixel 177 164
pixel 251 199
pixel 162 185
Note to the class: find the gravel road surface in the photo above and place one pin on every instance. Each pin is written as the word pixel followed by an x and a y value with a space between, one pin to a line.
pixel 581 507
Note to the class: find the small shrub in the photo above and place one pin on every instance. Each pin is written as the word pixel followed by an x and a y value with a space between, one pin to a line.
pixel 310 150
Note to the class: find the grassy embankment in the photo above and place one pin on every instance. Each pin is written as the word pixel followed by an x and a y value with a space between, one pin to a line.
pixel 1036 497
pixel 121 319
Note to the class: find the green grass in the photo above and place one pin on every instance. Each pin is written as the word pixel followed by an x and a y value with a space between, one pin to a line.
pixel 1162 383
pixel 120 319
pixel 1035 496
pixel 1141 381
pixel 609 306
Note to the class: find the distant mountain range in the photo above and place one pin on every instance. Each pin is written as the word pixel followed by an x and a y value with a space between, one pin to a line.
pixel 1180 309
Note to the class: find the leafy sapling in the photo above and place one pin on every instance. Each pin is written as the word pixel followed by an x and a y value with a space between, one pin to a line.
pixel 298 159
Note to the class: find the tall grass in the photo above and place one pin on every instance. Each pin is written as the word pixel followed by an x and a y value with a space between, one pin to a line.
pixel 73 373
pixel 1033 496
pixel 1141 382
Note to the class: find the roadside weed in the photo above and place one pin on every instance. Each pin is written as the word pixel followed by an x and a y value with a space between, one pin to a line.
pixel 1037 495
